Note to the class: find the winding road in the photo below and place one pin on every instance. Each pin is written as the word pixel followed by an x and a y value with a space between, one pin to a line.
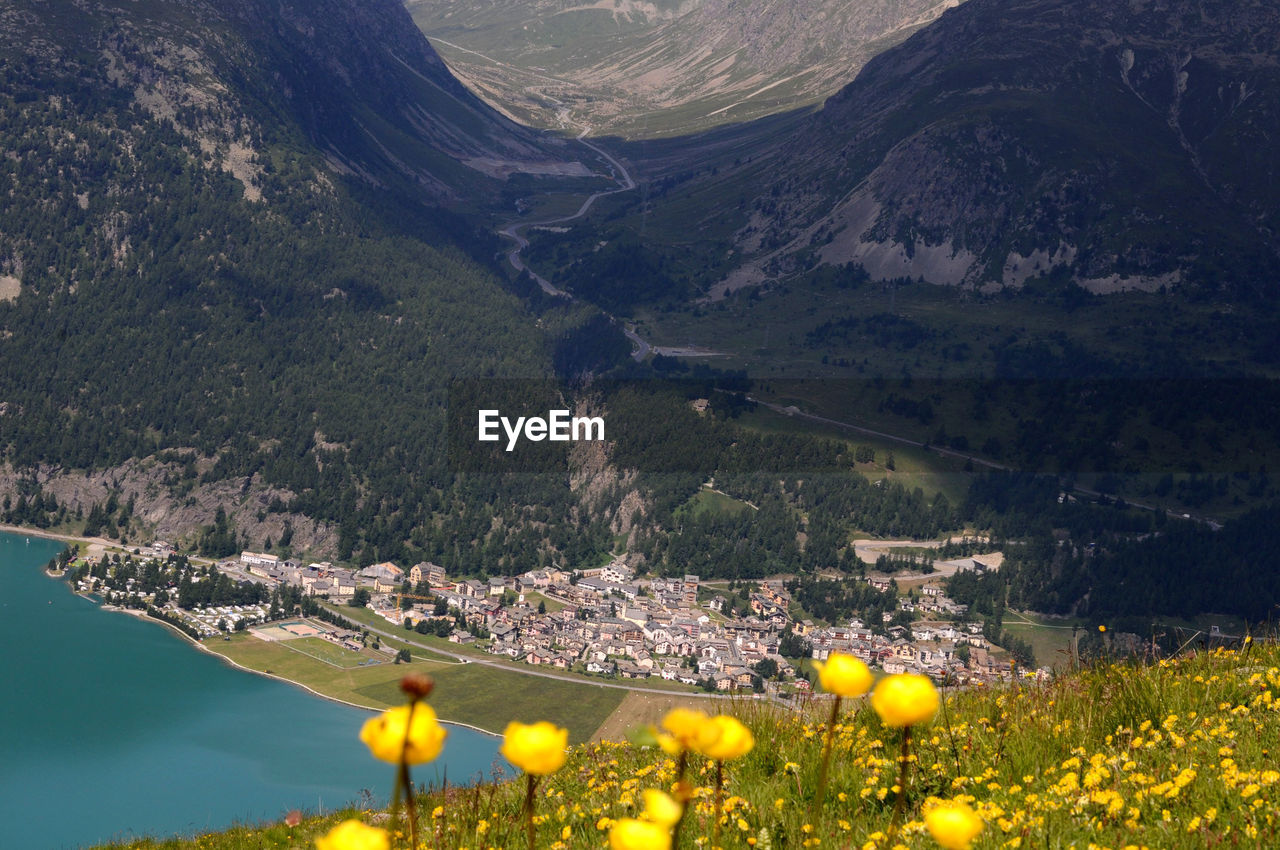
pixel 512 230
pixel 641 348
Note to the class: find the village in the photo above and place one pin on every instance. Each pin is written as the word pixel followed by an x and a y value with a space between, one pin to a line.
pixel 605 621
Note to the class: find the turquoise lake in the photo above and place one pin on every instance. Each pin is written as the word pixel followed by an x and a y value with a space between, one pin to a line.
pixel 111 727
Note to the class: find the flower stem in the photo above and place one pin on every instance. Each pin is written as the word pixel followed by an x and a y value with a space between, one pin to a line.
pixel 946 721
pixel 405 784
pixel 816 807
pixel 899 804
pixel 531 783
pixel 681 796
pixel 715 825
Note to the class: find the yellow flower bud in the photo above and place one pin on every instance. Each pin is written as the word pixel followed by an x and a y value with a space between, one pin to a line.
pixel 683 724
pixel 632 834
pixel 844 675
pixel 723 738
pixel 353 835
pixel 953 825
pixel 905 700
pixel 385 734
pixel 661 808
pixel 538 748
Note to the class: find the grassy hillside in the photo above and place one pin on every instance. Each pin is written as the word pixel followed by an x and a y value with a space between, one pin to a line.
pixel 1174 754
pixel 659 68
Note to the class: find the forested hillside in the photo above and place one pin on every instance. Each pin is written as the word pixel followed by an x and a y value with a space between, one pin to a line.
pixel 212 331
pixel 235 312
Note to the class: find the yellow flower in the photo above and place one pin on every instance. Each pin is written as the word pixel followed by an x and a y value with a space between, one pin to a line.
pixel 905 699
pixel 661 808
pixel 953 825
pixel 668 743
pixel 632 834
pixel 538 748
pixel 385 734
pixel 1102 628
pixel 723 738
pixel 683 724
pixel 353 835
pixel 844 675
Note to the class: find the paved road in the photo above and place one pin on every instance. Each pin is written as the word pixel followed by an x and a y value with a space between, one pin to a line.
pixel 512 230
pixel 795 411
pixel 641 348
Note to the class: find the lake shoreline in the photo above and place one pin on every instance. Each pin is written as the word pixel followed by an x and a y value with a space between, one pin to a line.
pixel 143 615
pixel 139 703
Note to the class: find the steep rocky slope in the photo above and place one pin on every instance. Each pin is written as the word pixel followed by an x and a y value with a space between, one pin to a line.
pixel 1128 145
pixel 355 80
pixel 225 277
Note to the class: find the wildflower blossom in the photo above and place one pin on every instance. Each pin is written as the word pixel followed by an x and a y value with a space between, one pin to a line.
pixel 906 699
pixel 390 734
pixel 354 835
pixel 844 675
pixel 661 808
pixel 633 834
pixel 953 824
pixel 683 726
pixel 723 738
pixel 538 748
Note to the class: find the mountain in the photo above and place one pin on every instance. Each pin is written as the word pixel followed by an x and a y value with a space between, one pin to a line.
pixel 356 81
pixel 225 281
pixel 662 67
pixel 1126 146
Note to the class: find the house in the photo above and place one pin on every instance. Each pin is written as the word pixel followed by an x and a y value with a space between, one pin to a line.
pixel 598 586
pixel 690 590
pixel 538 656
pixel 631 614
pixel 628 670
pixel 426 572
pixel 617 572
